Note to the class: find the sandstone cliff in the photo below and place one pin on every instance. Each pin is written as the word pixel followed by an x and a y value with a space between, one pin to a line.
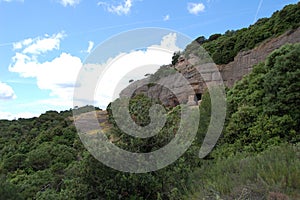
pixel 245 60
pixel 175 89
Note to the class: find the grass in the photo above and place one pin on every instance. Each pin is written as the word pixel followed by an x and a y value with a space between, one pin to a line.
pixel 273 174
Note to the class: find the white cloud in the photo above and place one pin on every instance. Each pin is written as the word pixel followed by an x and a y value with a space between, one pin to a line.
pixel 116 76
pixel 167 18
pixel 58 75
pixel 138 63
pixel 25 65
pixel 6 92
pixel 21 44
pixel 120 9
pixel 90 47
pixel 169 42
pixel 25 61
pixel 195 8
pixel 42 45
pixel 66 3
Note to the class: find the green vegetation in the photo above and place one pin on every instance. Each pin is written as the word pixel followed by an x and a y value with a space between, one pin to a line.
pixel 257 157
pixel 43 158
pixel 169 182
pixel 258 154
pixel 263 108
pixel 223 48
pixel 273 173
pixel 175 57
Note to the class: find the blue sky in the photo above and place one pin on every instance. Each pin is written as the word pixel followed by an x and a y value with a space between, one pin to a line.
pixel 41 42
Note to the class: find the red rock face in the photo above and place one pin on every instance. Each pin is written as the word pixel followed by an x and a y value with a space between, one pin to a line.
pixel 245 60
pixel 231 72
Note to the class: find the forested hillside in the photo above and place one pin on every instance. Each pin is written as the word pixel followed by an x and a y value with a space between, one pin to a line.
pixel 43 158
pixel 223 48
pixel 257 156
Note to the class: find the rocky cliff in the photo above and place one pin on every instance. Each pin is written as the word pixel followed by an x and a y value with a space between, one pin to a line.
pixel 245 60
pixel 188 85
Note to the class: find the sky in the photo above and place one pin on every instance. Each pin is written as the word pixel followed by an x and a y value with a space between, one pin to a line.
pixel 44 44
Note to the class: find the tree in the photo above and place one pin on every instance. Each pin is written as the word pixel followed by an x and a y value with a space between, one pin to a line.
pixel 175 57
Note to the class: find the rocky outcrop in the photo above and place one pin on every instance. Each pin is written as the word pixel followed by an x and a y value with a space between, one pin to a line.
pixel 245 60
pixel 171 90
pixel 188 85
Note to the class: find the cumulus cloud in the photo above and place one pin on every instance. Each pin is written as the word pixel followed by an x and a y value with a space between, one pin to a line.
pixel 169 42
pixel 57 75
pixel 116 76
pixel 25 65
pixel 39 45
pixel 42 45
pixel 167 18
pixel 21 44
pixel 6 92
pixel 66 3
pixel 120 9
pixel 195 8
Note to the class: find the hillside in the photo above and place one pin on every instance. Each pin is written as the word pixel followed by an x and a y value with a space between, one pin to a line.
pixel 259 148
pixel 223 48
pixel 43 158
pixel 257 156
pixel 269 37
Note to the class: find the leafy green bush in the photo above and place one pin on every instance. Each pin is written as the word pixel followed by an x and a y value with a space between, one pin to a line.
pixel 263 107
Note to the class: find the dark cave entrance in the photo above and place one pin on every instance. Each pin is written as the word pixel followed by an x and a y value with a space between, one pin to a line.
pixel 198 96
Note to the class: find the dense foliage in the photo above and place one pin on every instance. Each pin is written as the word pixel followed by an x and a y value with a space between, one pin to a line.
pixel 223 48
pixel 263 108
pixel 36 153
pixel 43 158
pixel 257 156
pixel 169 182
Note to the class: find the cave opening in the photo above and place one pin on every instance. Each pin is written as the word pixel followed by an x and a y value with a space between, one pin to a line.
pixel 198 96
